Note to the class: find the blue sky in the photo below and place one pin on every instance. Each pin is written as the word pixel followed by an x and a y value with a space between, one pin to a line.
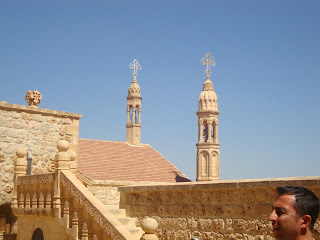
pixel 77 54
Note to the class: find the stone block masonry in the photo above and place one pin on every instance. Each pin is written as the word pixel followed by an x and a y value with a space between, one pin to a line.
pixel 211 210
pixel 38 130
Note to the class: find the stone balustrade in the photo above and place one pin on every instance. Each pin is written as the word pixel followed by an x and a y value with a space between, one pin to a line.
pixel 62 201
pixel 34 195
pixel 222 210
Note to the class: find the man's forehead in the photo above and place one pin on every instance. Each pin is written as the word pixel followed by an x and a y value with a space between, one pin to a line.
pixel 285 200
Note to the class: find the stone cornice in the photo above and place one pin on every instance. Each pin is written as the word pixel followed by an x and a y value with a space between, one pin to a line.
pixel 36 110
pixel 227 184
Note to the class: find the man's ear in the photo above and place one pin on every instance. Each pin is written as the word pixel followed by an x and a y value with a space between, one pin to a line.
pixel 306 220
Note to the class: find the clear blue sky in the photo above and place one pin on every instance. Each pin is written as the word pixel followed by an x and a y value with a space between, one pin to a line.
pixel 76 53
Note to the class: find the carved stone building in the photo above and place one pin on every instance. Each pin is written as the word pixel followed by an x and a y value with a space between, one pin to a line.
pixel 55 185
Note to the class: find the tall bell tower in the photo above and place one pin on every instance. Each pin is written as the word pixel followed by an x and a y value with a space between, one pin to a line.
pixel 208 155
pixel 134 107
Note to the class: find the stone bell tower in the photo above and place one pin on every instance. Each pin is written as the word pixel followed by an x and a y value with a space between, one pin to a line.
pixel 134 107
pixel 208 155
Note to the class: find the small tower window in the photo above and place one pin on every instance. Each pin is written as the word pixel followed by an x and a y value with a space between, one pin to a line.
pixel 137 115
pixel 205 132
pixel 130 120
pixel 212 131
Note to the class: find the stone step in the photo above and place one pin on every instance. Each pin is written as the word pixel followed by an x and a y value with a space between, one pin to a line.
pixel 137 232
pixel 127 222
pixel 112 206
pixel 118 213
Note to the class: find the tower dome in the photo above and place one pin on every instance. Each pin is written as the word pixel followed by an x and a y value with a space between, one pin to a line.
pixel 208 98
pixel 134 89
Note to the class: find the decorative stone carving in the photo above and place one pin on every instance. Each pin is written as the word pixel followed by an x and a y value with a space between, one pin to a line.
pixel 33 98
pixel 204 224
pixel 35 179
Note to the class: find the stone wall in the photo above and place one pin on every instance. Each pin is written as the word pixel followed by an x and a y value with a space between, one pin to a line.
pixel 107 190
pixel 36 129
pixel 225 210
pixel 51 228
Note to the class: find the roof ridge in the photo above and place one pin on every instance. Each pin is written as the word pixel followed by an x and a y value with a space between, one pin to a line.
pixel 168 161
pixel 140 145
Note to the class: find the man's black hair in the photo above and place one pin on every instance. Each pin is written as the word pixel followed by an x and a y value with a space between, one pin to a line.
pixel 307 203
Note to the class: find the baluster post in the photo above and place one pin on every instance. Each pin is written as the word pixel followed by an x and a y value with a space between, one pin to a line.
pixel 75 223
pixel 41 200
pixel 62 162
pixel 34 202
pixel 48 201
pixel 84 232
pixel 28 202
pixel 21 200
pixel 66 212
pixel 20 169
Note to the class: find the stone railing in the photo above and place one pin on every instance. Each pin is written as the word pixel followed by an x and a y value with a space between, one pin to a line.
pixel 71 190
pixel 223 210
pixel 35 195
pixel 63 197
pixel 84 179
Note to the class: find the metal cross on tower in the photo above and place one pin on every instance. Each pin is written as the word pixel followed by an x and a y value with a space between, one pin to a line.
pixel 135 66
pixel 208 60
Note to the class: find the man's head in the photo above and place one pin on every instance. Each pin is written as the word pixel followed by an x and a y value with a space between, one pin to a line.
pixel 295 211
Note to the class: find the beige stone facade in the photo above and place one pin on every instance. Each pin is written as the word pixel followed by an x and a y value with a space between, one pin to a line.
pixel 38 130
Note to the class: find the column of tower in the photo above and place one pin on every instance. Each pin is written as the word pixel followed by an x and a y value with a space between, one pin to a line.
pixel 208 155
pixel 134 108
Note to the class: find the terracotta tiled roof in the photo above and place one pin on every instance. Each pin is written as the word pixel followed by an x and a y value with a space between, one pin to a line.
pixel 110 160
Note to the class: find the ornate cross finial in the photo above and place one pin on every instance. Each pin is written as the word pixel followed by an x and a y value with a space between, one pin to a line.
pixel 208 60
pixel 135 66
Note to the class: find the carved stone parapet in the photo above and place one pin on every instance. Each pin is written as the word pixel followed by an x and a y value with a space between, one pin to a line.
pixel 32 211
pixel 36 179
pixel 33 98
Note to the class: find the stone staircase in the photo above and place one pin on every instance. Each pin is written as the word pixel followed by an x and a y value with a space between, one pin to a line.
pixel 120 214
pixel 127 222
